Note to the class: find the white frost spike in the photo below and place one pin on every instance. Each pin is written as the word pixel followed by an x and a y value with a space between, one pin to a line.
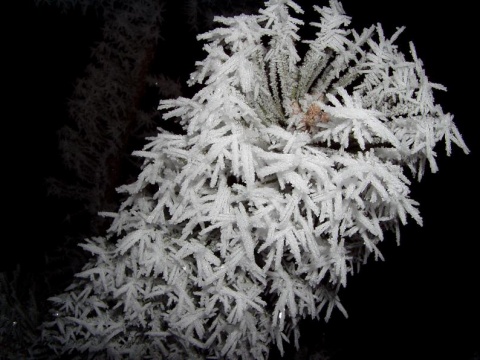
pixel 243 225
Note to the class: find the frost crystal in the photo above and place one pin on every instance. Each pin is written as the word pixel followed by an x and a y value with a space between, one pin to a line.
pixel 289 174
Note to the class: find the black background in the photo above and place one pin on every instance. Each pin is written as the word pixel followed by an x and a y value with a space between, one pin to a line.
pixel 421 303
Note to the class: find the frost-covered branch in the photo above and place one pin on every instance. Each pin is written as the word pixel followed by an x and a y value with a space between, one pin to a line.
pixel 290 172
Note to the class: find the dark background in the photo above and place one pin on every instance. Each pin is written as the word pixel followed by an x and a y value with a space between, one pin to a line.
pixel 421 303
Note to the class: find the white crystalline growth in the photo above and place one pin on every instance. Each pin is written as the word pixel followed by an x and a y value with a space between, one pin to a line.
pixel 289 174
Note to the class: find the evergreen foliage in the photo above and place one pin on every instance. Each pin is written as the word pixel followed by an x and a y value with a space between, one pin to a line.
pixel 292 168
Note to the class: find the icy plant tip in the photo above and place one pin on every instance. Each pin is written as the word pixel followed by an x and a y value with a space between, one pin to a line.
pixel 292 167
